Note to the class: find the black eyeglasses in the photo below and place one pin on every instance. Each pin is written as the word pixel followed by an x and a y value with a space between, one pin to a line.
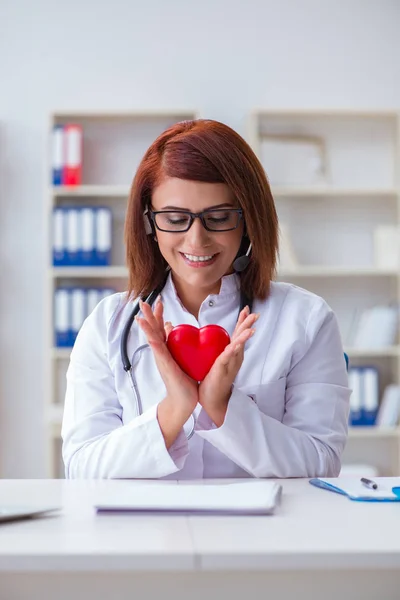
pixel 213 219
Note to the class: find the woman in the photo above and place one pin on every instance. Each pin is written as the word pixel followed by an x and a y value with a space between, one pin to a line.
pixel 275 402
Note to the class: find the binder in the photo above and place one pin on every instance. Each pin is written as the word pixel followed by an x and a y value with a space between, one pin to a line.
pixel 103 236
pixel 87 229
pixel 355 417
pixel 364 400
pixel 72 236
pixel 59 238
pixel 57 154
pixel 105 292
pixel 388 488
pixel 73 154
pixel 93 297
pixel 370 395
pixel 61 318
pixel 78 312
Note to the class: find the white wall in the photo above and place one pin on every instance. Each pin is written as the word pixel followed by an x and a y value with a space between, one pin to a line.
pixel 223 57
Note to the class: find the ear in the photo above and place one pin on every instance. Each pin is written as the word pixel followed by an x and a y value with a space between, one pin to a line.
pixel 147 223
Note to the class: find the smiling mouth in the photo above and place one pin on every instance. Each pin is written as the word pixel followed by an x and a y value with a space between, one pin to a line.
pixel 199 261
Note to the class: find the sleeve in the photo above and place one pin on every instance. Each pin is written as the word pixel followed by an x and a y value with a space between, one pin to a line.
pixel 96 444
pixel 311 437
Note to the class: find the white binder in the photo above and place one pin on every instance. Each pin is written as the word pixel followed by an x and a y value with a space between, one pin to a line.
pixel 72 233
pixel 59 238
pixel 61 317
pixel 93 297
pixel 87 226
pixel 103 236
pixel 78 310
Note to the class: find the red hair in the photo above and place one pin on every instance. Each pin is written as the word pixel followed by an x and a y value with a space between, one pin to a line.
pixel 208 151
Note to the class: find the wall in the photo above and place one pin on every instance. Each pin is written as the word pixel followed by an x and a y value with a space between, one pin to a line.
pixel 223 57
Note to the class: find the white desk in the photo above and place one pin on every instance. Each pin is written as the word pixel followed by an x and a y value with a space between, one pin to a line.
pixel 317 545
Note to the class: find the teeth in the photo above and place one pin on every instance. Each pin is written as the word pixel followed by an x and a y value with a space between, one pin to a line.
pixel 198 258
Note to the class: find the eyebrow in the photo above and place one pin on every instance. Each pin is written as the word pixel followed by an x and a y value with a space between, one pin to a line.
pixel 225 205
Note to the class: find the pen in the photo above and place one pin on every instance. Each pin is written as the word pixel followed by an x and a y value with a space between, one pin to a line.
pixel 369 483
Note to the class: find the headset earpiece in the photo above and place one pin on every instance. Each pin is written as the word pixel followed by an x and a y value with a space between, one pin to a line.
pixel 147 223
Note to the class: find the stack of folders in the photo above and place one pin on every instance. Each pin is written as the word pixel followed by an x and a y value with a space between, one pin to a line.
pixel 71 307
pixel 82 236
pixel 67 154
pixel 364 400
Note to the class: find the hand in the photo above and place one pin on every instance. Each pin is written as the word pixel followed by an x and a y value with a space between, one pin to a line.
pixel 182 391
pixel 215 389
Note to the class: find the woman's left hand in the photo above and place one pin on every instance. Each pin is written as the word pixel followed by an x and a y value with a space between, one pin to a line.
pixel 215 389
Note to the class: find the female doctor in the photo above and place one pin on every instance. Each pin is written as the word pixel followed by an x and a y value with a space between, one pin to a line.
pixel 201 233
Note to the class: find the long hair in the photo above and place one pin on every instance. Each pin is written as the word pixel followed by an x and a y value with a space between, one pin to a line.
pixel 207 151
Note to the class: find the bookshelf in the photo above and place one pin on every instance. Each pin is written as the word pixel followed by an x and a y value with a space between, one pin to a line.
pixel 113 145
pixel 330 206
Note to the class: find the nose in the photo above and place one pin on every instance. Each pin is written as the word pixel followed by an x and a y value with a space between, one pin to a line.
pixel 197 236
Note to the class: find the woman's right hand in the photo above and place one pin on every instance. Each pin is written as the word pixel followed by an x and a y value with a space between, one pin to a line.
pixel 182 390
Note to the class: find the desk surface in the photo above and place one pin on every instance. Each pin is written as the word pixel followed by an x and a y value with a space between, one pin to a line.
pixel 312 529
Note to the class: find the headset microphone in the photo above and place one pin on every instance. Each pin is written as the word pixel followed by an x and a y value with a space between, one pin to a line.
pixel 242 262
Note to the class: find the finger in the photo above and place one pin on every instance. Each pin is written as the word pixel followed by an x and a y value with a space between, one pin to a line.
pixel 246 324
pixel 149 316
pixel 235 347
pixel 242 316
pixel 152 335
pixel 168 328
pixel 159 314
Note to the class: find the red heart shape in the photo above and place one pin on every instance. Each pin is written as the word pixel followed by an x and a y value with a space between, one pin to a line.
pixel 195 350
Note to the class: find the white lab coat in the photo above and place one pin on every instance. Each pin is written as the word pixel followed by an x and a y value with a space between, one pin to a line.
pixel 287 415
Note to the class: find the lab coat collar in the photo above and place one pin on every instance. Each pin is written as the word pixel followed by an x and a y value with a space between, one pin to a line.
pixel 230 286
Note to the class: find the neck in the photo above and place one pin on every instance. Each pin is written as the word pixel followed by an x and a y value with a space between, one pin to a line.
pixel 193 297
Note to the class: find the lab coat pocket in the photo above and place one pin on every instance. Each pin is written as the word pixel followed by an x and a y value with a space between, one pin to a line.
pixel 269 397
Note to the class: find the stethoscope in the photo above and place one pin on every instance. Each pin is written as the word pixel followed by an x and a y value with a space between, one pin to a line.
pixel 128 365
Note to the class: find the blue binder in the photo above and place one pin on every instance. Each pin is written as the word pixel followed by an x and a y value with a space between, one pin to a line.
pixel 73 236
pixel 57 158
pixel 78 312
pixel 364 402
pixel 59 237
pixel 87 225
pixel 62 316
pixel 103 236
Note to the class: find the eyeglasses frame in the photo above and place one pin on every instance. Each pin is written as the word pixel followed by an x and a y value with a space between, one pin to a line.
pixel 193 216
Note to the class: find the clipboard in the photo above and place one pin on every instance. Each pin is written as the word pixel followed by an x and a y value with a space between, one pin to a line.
pixel 356 491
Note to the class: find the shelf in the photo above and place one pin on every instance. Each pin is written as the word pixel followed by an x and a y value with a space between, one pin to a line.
pixel 344 193
pixel 325 112
pixel 96 115
pixel 374 432
pixel 366 352
pixel 90 272
pixel 328 271
pixel 105 191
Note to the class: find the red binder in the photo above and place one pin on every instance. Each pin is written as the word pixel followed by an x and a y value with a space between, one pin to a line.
pixel 73 155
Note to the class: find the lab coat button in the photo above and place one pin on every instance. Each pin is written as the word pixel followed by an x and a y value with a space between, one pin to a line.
pixel 211 303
